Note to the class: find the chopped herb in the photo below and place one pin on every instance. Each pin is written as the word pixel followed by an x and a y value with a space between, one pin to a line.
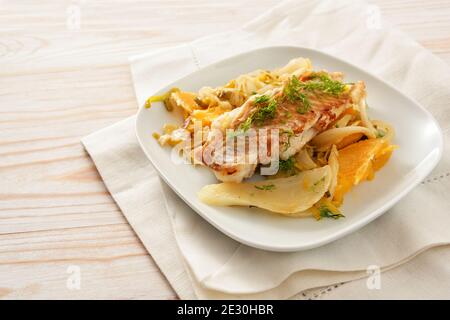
pixel 262 99
pixel 266 112
pixel 325 212
pixel 266 187
pixel 380 133
pixel 289 133
pixel 317 183
pixel 292 89
pixel 246 124
pixel 325 84
pixel 293 94
pixel 305 106
pixel 287 165
pixel 295 91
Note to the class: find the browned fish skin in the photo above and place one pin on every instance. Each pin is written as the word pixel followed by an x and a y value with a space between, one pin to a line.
pixel 322 109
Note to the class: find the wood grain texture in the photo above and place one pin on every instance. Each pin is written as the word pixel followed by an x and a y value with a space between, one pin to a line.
pixel 58 85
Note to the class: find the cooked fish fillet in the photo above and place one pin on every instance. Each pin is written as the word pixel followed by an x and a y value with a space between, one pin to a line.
pixel 300 109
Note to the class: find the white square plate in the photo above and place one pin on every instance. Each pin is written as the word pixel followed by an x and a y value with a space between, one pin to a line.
pixel 417 134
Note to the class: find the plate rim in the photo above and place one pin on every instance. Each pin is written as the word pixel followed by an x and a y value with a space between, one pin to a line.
pixel 337 235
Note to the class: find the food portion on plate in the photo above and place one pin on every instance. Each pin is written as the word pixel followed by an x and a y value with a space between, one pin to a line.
pixel 306 132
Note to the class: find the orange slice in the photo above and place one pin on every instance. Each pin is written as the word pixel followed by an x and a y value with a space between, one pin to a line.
pixel 207 116
pixel 348 140
pixel 185 100
pixel 358 162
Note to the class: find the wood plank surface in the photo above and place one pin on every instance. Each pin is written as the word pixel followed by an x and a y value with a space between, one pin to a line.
pixel 59 83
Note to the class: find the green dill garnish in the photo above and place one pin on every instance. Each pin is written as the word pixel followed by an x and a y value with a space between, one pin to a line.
pixel 266 187
pixel 322 82
pixel 295 91
pixel 316 184
pixel 246 124
pixel 287 165
pixel 262 99
pixel 266 112
pixel 293 94
pixel 380 133
pixel 242 129
pixel 289 133
pixel 267 109
pixel 305 104
pixel 325 212
pixel 292 90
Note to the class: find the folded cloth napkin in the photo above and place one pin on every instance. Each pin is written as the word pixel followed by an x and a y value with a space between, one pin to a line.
pixel 199 261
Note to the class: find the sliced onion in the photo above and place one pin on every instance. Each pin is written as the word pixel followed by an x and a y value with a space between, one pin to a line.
pixel 334 165
pixel 386 128
pixel 344 121
pixel 335 135
pixel 304 161
pixel 364 117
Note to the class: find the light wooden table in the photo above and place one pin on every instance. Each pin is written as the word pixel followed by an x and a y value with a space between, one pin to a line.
pixel 59 83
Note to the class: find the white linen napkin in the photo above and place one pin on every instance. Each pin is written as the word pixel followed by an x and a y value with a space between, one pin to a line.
pixel 201 262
